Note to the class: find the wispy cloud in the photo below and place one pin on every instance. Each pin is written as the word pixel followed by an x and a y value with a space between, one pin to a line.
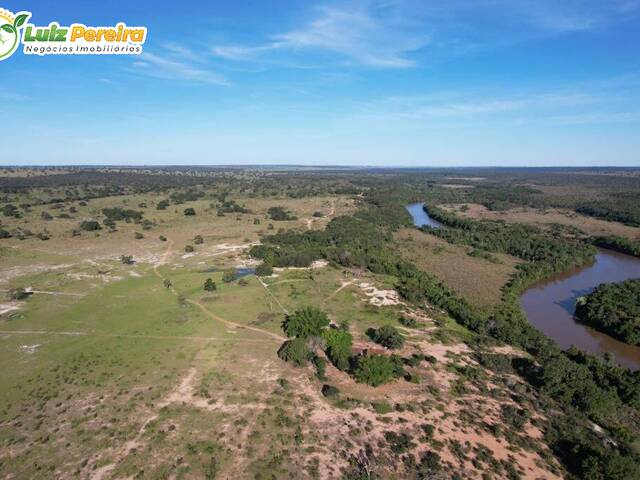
pixel 359 33
pixel 391 34
pixel 177 62
pixel 557 108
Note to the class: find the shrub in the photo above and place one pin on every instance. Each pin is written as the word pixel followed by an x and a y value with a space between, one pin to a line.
pixel 375 370
pixel 305 322
pixel 4 233
pixel 162 238
pixel 189 212
pixel 280 214
pixel 118 213
pixel 382 408
pixel 387 336
pixel 429 465
pixel 18 294
pixel 408 322
pixel 10 210
pixel 162 205
pixel 90 225
pixel 398 442
pixel 294 351
pixel 127 259
pixel 321 367
pixel 264 270
pixel 338 347
pixel 229 276
pixel 189 248
pixel 209 285
pixel 46 216
pixel 198 240
pixel 330 391
pixel 138 236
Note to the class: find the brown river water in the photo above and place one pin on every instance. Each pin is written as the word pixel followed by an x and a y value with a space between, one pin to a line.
pixel 551 303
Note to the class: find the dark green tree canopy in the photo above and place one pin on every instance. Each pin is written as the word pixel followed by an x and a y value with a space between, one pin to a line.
pixel 306 322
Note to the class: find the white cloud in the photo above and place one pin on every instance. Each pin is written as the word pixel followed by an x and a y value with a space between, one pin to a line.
pixel 357 33
pixel 467 107
pixel 177 62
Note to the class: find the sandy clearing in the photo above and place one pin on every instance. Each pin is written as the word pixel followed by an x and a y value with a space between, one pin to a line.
pixel 377 297
pixel 15 272
pixel 10 307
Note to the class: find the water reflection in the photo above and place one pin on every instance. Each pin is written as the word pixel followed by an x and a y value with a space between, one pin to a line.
pixel 550 306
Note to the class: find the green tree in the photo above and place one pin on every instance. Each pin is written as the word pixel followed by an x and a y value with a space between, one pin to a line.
pixel 90 225
pixel 229 275
pixel 305 322
pixel 338 347
pixel 209 285
pixel 264 270
pixel 387 336
pixel 375 370
pixel 295 351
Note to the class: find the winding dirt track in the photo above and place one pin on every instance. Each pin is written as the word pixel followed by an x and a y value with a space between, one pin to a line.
pixel 165 259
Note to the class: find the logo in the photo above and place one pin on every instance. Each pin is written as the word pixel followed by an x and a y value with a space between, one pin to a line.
pixel 10 26
pixel 74 39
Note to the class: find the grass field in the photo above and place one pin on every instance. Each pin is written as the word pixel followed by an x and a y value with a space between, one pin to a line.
pixel 545 218
pixel 476 278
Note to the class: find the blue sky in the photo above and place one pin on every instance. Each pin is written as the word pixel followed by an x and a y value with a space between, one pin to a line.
pixel 396 83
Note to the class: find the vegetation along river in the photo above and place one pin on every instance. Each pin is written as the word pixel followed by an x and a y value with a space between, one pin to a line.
pixel 550 304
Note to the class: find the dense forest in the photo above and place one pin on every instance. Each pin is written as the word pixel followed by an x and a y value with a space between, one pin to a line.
pixel 613 308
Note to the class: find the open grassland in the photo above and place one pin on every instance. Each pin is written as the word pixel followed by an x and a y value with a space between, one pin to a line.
pixel 478 279
pixel 545 218
pixel 134 371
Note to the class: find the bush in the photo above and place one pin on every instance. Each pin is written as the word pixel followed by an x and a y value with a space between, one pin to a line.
pixel 126 259
pixel 118 214
pixel 387 336
pixel 189 248
pixel 382 408
pixel 229 276
pixel 338 347
pixel 18 294
pixel 209 285
pixel 264 270
pixel 162 205
pixel 294 351
pixel 189 212
pixel 138 236
pixel 90 225
pixel 305 322
pixel 374 370
pixel 198 240
pixel 280 214
pixel 4 233
pixel 330 391
pixel 408 322
pixel 162 238
pixel 321 367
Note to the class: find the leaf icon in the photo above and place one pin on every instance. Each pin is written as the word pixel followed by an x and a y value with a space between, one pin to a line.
pixel 8 28
pixel 20 19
